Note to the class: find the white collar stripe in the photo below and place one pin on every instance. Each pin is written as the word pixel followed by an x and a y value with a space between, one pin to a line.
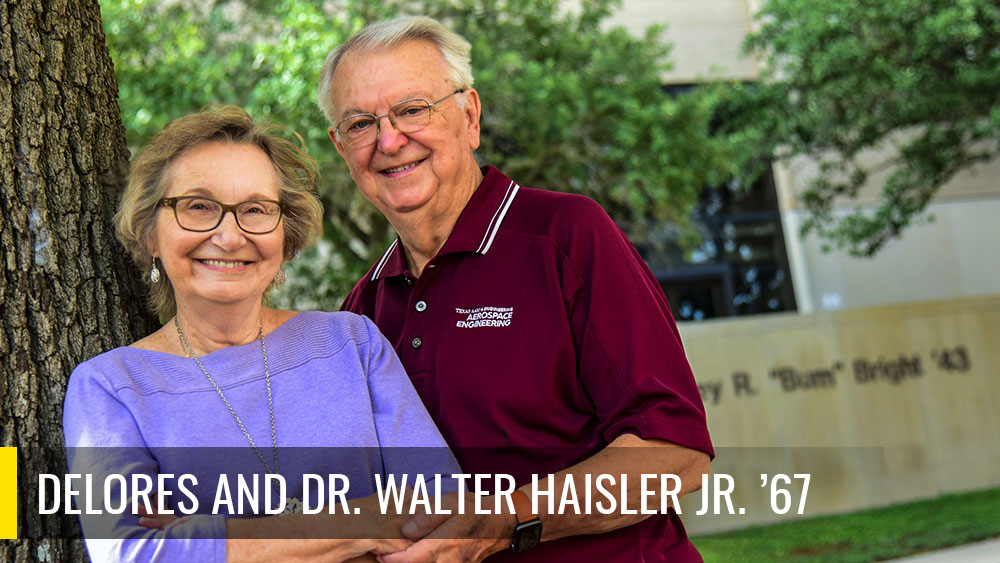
pixel 385 258
pixel 493 220
pixel 502 211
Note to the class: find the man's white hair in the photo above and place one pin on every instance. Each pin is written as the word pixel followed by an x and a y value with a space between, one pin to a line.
pixel 390 33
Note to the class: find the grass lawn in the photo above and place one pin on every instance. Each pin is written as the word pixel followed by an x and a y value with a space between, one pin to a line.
pixel 871 535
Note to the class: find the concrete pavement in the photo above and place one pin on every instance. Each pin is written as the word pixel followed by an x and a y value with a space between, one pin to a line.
pixel 987 551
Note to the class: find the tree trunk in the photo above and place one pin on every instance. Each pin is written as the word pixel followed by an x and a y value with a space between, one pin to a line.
pixel 66 287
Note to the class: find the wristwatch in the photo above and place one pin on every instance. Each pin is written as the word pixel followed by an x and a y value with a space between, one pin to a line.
pixel 528 532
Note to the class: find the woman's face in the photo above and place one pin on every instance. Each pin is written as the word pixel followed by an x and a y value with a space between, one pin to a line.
pixel 224 266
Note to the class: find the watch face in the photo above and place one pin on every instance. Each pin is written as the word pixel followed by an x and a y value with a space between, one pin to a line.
pixel 527 535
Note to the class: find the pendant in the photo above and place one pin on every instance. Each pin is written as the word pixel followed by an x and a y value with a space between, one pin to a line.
pixel 292 506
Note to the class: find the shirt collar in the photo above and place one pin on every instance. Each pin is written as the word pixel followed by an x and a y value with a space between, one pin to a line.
pixel 475 229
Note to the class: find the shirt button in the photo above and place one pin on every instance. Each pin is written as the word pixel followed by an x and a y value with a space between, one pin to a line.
pixel 409 281
pixel 421 306
pixel 416 343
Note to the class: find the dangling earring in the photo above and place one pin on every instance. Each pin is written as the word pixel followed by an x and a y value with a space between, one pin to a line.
pixel 280 277
pixel 154 274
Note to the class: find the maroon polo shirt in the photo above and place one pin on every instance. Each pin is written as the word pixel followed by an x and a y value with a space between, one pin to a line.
pixel 539 333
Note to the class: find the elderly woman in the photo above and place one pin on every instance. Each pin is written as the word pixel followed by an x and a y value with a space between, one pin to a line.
pixel 215 204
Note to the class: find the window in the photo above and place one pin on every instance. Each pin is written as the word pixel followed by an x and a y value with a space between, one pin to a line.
pixel 738 267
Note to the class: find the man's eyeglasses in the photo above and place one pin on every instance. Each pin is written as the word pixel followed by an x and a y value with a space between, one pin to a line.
pixel 408 116
pixel 200 214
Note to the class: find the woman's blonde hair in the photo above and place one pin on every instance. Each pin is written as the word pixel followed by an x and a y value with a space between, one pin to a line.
pixel 148 179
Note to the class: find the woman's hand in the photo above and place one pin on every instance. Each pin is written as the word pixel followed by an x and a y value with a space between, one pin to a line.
pixel 353 537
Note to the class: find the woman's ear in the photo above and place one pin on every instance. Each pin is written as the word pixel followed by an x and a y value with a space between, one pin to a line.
pixel 152 247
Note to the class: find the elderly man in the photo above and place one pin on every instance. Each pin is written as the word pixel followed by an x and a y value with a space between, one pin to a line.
pixel 526 320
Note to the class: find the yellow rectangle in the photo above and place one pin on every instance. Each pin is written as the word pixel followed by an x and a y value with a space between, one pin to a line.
pixel 8 493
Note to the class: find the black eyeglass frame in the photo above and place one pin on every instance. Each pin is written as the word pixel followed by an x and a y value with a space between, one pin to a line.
pixel 171 202
pixel 378 118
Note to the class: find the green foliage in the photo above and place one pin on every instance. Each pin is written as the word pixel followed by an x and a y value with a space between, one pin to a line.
pixel 567 104
pixel 572 107
pixel 917 83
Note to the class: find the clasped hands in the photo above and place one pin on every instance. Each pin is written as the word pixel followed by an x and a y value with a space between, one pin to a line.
pixel 389 537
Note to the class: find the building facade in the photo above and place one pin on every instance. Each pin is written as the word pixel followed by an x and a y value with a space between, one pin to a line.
pixel 953 255
pixel 880 379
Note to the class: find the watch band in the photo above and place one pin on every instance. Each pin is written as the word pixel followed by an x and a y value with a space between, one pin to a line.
pixel 522 507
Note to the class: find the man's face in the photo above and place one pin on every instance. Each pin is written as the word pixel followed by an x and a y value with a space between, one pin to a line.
pixel 431 171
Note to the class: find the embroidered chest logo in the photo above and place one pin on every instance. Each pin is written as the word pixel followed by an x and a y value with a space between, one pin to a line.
pixel 484 317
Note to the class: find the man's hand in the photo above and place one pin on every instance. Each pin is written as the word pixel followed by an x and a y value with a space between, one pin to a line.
pixel 455 538
pixel 482 535
pixel 155 520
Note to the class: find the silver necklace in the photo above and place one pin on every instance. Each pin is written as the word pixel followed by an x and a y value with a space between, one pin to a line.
pixel 292 505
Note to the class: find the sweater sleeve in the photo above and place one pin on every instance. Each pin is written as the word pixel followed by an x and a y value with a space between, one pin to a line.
pixel 103 439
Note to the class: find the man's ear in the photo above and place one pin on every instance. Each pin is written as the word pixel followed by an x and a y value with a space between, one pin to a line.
pixel 332 131
pixel 472 112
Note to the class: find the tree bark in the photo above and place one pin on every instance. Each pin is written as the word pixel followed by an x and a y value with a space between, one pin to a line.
pixel 67 289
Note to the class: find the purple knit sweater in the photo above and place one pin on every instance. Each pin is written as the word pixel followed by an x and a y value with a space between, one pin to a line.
pixel 336 382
